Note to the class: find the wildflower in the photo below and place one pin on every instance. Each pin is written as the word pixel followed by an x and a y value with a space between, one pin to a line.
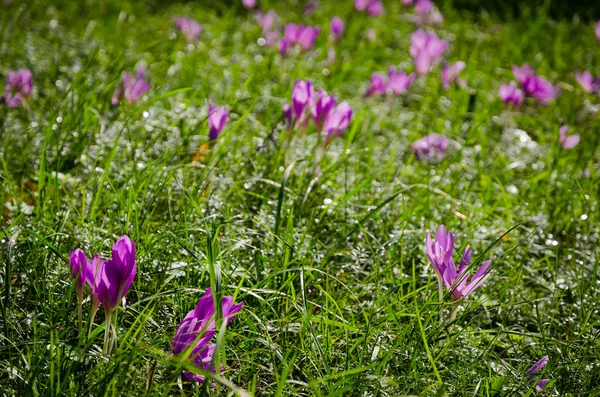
pixel 522 73
pixel 426 50
pixel 535 368
pixel 378 86
pixel 568 142
pixel 294 34
pixel 510 94
pixel 399 81
pixel 337 121
pixel 197 329
pixel 267 21
pixel 302 95
pixel 598 30
pixel 450 74
pixel 116 275
pixel 361 5
pixel 310 7
pixel 19 85
pixel 337 27
pixel 132 88
pixel 432 146
pixel 217 117
pixel 587 81
pixel 322 105
pixel 375 7
pixel 287 114
pixel 188 27
pixel 539 88
pixel 439 252
pixel 534 86
pixel 249 4
pixel 307 36
pixel 80 265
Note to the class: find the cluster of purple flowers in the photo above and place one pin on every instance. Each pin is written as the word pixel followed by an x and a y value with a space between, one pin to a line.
pixel 301 35
pixel 19 85
pixel 318 106
pixel 397 83
pixel 372 7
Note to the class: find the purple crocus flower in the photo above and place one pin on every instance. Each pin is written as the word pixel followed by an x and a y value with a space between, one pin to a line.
pixel 19 85
pixel 568 142
pixel 197 329
pixel 439 252
pixel 302 96
pixel 423 7
pixel 287 114
pixel 375 8
pixel 310 7
pixel 307 36
pixel 598 30
pixel 378 86
pixel 587 81
pixel 337 27
pixel 539 88
pixel 80 265
pixel 522 73
pixel 266 21
pixel 399 81
pixel 132 88
pixel 249 4
pixel 510 94
pixel 361 5
pixel 116 274
pixel 188 27
pixel 426 50
pixel 321 107
pixel 450 74
pixel 535 368
pixel 217 117
pixel 337 121
pixel 294 34
pixel 432 146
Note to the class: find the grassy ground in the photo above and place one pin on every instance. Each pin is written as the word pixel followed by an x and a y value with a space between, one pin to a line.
pixel 339 298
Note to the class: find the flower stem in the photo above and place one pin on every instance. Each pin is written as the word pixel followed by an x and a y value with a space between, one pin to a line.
pixel 441 299
pixel 106 332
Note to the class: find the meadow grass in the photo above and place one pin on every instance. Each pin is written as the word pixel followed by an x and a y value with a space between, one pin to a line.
pixel 339 297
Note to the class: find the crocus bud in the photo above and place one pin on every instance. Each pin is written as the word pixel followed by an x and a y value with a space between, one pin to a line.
pixel 337 27
pixel 217 117
pixel 19 85
pixel 79 265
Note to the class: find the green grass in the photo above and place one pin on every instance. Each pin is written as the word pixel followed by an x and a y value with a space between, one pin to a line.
pixel 339 298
